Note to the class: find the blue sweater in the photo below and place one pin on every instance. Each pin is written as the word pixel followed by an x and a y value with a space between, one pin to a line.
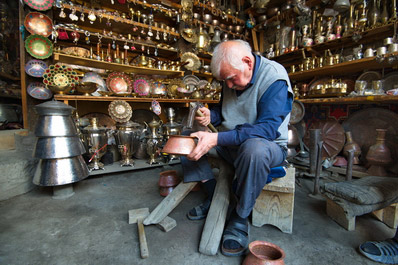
pixel 274 105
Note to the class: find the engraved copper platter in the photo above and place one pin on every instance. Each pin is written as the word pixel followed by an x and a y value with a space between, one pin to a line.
pixel 333 137
pixel 363 125
pixel 38 23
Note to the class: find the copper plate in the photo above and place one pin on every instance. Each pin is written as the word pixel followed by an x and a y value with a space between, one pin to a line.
pixel 363 125
pixel 333 137
pixel 297 113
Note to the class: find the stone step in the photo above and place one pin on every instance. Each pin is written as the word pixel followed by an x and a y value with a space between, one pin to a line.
pixel 17 165
pixel 7 138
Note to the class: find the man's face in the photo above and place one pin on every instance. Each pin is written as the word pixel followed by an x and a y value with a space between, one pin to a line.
pixel 235 79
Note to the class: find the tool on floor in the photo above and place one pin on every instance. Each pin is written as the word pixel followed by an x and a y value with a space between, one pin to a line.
pixel 194 110
pixel 137 216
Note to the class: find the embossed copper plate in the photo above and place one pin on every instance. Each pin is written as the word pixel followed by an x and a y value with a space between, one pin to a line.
pixel 297 113
pixel 38 23
pixel 333 136
pixel 141 86
pixel 119 83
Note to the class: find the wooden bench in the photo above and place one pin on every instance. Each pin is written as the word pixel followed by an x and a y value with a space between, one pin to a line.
pixel 388 215
pixel 275 204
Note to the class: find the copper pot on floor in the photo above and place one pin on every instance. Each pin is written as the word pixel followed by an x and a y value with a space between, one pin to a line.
pixel 264 253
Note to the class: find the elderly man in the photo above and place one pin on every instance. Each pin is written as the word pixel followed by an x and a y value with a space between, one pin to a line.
pixel 252 118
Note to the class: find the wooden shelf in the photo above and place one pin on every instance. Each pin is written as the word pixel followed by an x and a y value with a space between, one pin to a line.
pixel 368 36
pixel 67 98
pixel 205 75
pixel 125 21
pixel 344 68
pixel 139 164
pixel 352 100
pixel 70 59
pixel 234 19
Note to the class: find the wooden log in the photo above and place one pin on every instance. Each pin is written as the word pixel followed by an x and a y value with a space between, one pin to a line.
pixel 215 221
pixel 169 203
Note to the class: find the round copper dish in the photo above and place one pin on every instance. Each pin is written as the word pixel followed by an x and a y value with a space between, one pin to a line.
pixel 179 145
pixel 333 136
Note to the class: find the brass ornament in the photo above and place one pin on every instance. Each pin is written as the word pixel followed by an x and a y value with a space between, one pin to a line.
pixel 190 61
pixel 120 111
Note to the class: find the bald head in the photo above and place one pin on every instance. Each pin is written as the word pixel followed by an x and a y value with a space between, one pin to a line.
pixel 231 53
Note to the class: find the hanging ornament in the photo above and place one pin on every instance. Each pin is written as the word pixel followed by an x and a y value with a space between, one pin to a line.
pixel 82 17
pixel 113 44
pixel 91 16
pixel 87 37
pixel 73 16
pixel 62 14
pixel 156 51
pixel 75 35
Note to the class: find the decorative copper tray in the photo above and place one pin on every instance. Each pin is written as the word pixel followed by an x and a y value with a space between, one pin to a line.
pixel 333 137
pixel 38 23
pixel 363 125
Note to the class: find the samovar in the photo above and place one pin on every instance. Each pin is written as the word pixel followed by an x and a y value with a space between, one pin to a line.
pixel 127 138
pixel 95 141
pixel 154 141
pixel 171 127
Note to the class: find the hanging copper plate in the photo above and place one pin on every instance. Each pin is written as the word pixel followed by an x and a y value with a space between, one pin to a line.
pixel 298 112
pixel 332 134
pixel 363 125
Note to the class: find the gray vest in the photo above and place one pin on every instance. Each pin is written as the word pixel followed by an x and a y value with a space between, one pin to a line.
pixel 243 109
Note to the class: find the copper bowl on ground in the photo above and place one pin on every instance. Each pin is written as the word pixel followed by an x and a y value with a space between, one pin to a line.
pixel 168 178
pixel 179 145
pixel 164 191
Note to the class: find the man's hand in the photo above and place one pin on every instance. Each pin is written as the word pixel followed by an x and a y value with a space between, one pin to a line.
pixel 206 141
pixel 204 121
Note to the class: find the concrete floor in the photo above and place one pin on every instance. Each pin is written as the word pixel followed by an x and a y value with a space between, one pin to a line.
pixel 91 227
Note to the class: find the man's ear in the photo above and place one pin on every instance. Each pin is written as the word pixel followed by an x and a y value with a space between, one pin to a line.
pixel 248 61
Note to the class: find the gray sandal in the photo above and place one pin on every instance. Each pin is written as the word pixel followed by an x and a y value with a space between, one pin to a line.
pixel 384 252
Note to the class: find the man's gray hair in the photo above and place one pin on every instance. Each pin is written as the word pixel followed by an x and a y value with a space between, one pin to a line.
pixel 229 54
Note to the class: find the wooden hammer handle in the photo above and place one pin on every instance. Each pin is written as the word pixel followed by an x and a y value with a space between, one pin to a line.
pixel 210 126
pixel 143 243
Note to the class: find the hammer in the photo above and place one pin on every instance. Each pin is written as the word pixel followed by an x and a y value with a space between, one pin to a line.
pixel 194 110
pixel 137 216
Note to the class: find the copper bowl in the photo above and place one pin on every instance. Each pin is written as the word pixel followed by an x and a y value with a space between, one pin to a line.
pixel 164 191
pixel 168 178
pixel 179 145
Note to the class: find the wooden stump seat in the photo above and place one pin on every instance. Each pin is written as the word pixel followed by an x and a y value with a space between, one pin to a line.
pixel 275 204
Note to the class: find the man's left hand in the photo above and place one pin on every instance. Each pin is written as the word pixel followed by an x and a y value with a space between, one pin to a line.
pixel 206 141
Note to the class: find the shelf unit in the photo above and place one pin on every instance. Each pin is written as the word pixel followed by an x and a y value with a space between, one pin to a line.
pixel 376 99
pixel 67 98
pixel 345 68
pixel 71 59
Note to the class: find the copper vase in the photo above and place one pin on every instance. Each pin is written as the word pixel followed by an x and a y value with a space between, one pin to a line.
pixel 264 253
pixel 351 145
pixel 379 155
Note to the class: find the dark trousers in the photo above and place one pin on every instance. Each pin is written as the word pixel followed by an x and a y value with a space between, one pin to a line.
pixel 252 161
